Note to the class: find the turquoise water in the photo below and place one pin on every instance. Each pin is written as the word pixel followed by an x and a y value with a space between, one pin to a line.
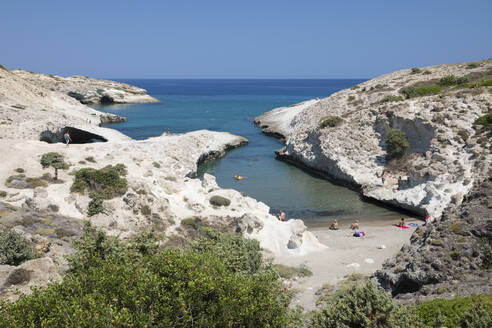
pixel 231 105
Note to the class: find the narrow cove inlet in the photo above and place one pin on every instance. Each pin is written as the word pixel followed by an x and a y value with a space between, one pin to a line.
pixel 230 105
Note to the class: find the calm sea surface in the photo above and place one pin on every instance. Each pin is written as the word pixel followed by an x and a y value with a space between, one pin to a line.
pixel 231 105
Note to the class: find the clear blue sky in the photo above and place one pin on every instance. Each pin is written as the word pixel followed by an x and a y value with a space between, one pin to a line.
pixel 241 39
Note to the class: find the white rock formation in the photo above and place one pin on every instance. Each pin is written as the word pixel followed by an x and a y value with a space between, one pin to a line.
pixel 88 90
pixel 440 163
pixel 161 188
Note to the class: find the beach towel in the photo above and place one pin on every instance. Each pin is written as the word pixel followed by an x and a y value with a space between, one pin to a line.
pixel 413 225
pixel 404 227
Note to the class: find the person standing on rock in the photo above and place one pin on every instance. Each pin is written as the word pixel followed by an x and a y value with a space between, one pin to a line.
pixel 67 138
pixel 383 177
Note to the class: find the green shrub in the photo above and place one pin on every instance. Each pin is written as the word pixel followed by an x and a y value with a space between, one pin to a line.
pixel 379 86
pixel 36 182
pixel 363 306
pixel 106 182
pixel 3 67
pixel 389 98
pixel 330 121
pixel 55 160
pixel 450 80
pixel 146 210
pixel 238 253
pixel 396 143
pixel 412 92
pixel 156 165
pixel 219 201
pixel 457 227
pixel 427 72
pixel 355 87
pixel 416 70
pixel 90 159
pixel 485 121
pixel 472 65
pixel 3 194
pixel 351 98
pixel 437 242
pixel 458 312
pixel 486 83
pixel 112 283
pixel 288 272
pixel 19 170
pixel 14 249
pixel 95 205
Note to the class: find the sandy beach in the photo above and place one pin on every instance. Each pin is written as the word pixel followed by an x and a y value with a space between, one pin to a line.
pixel 347 254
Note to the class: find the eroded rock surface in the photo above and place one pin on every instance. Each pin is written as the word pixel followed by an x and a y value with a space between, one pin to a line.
pixel 447 152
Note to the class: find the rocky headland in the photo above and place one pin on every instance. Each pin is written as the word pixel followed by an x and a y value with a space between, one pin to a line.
pixel 121 185
pixel 445 172
pixel 343 137
pixel 87 90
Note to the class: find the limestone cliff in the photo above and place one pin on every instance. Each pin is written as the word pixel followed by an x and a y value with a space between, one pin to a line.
pixel 343 137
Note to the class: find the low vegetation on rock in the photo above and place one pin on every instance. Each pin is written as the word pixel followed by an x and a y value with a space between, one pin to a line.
pixel 14 249
pixel 106 182
pixel 219 201
pixel 288 272
pixel 330 121
pixel 412 92
pixel 389 98
pixel 396 143
pixel 485 121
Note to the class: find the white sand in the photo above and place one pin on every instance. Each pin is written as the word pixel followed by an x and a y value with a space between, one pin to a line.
pixel 346 254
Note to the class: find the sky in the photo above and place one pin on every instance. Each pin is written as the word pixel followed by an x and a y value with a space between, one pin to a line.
pixel 241 39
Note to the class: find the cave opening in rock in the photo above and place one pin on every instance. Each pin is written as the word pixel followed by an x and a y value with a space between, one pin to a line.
pixel 406 285
pixel 78 136
pixel 105 100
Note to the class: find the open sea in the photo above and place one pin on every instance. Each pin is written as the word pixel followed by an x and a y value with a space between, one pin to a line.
pixel 231 105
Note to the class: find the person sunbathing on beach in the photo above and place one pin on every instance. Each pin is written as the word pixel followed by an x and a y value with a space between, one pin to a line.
pixel 401 224
pixel 355 225
pixel 334 225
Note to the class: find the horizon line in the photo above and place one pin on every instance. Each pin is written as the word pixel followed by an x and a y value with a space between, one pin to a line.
pixel 232 78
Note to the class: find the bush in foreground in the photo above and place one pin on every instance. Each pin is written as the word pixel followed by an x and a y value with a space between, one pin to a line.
pixel 14 249
pixel 114 283
pixel 396 143
pixel 363 306
pixel 475 311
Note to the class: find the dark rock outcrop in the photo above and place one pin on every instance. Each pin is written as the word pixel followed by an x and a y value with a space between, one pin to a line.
pixel 451 256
